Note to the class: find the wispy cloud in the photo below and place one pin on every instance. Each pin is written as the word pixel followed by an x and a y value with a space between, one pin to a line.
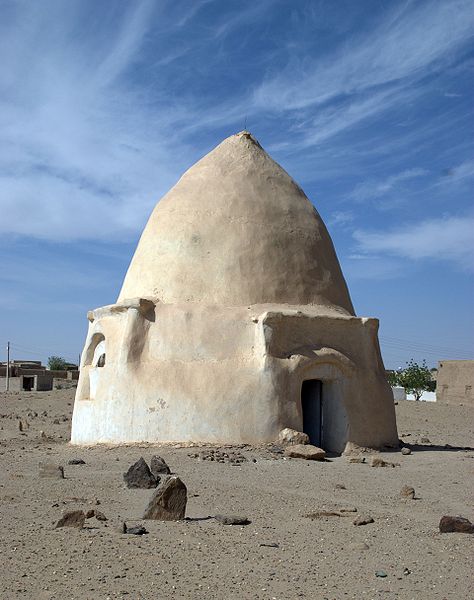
pixel 115 103
pixel 371 74
pixel 370 190
pixel 77 159
pixel 413 38
pixel 363 267
pixel 463 171
pixel 447 239
pixel 340 218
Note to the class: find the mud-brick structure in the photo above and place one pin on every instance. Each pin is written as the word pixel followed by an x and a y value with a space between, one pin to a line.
pixel 455 382
pixel 234 321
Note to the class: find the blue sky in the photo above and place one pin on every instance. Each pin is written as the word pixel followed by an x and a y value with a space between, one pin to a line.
pixel 368 105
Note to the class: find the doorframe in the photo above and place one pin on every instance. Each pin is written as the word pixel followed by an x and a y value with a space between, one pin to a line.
pixel 321 411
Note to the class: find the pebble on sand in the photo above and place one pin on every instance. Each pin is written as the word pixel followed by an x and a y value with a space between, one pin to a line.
pixel 363 520
pixel 232 520
pixel 72 518
pixel 455 525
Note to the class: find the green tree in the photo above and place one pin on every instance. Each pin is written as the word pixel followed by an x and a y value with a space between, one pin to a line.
pixel 392 378
pixel 416 379
pixel 57 363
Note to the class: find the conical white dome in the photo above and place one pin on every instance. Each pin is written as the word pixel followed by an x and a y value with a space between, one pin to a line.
pixel 236 230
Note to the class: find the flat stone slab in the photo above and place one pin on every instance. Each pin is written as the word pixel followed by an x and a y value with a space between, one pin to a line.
pixel 376 461
pixel 51 471
pixel 135 530
pixel 363 520
pixel 455 525
pixel 306 451
pixel 232 520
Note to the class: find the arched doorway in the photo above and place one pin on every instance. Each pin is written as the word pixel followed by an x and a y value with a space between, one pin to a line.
pixel 312 409
pixel 322 387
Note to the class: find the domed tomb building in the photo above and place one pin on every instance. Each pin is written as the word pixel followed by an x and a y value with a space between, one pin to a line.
pixel 234 321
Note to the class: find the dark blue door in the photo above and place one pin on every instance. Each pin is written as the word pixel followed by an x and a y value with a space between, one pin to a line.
pixel 312 406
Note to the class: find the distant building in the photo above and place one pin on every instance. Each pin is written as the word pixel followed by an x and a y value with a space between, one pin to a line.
pixel 32 375
pixel 455 382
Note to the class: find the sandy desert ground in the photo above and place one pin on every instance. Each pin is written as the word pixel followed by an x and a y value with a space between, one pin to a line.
pixel 282 554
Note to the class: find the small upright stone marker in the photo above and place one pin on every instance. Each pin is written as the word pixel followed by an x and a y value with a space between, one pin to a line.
pixel 158 466
pixel 168 502
pixel 140 476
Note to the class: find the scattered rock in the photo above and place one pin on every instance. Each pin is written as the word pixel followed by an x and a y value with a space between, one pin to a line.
pixel 363 520
pixel 405 451
pixel 96 513
pixel 318 514
pixel 425 440
pixel 376 461
pixel 56 422
pixel 158 466
pixel 76 461
pixel 358 546
pixel 340 486
pixel 290 437
pixel 380 574
pixel 407 492
pixel 307 452
pixel 51 471
pixel 72 518
pixel 140 476
pixel 137 530
pixel 168 502
pixel 232 520
pixel 221 456
pixel 455 525
pixel 351 509
pixel 357 459
pixel 270 545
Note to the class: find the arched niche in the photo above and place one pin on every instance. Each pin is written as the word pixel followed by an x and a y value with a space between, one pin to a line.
pixel 95 349
pixel 94 361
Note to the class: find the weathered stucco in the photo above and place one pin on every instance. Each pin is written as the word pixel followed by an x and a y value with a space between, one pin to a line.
pixel 455 382
pixel 234 297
